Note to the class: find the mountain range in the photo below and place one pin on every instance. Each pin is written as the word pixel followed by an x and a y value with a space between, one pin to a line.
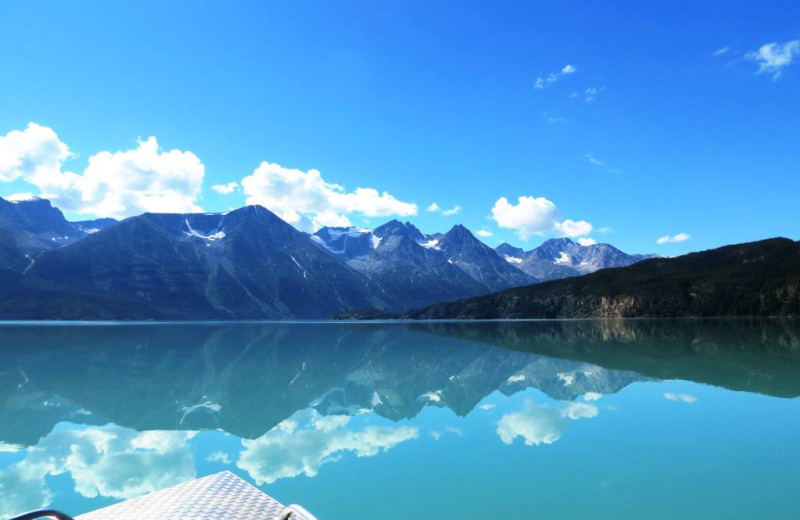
pixel 250 264
pixel 752 279
pixel 562 258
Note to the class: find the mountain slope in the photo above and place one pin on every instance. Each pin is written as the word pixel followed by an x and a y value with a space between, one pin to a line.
pixel 244 264
pixel 561 257
pixel 753 279
pixel 42 221
pixel 346 242
pixel 415 269
pixel 416 276
pixel 480 261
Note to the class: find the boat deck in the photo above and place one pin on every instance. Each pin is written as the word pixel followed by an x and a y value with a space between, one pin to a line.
pixel 215 497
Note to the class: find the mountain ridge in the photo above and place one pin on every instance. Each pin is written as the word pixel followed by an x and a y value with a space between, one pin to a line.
pixel 242 264
pixel 751 279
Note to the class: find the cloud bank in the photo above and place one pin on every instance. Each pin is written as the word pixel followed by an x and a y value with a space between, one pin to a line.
pixel 302 444
pixel 539 424
pixel 307 201
pixel 114 184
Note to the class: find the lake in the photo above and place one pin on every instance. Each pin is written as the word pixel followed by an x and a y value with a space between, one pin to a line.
pixel 552 419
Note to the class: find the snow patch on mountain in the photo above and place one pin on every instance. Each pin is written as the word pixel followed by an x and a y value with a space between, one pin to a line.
pixel 563 259
pixel 211 237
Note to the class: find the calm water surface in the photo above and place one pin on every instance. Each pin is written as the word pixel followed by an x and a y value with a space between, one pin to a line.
pixel 657 420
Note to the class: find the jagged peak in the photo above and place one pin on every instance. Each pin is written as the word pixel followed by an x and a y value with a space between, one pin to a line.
pixel 559 241
pixel 395 227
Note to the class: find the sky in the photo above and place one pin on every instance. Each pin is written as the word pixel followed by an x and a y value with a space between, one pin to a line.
pixel 662 127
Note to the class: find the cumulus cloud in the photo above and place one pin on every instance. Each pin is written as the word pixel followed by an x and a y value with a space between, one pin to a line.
pixel 433 208
pixel 226 189
pixel 484 233
pixel 114 184
pixel 536 216
pixel 573 228
pixel 538 424
pixel 35 152
pixel 302 444
pixel 108 461
pixel 567 69
pixel 306 200
pixel 530 216
pixel 772 58
pixel 586 241
pixel 680 237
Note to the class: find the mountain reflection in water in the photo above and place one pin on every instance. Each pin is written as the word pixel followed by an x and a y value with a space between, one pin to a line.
pixel 118 408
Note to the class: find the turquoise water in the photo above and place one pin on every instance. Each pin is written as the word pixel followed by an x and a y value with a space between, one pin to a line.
pixel 580 419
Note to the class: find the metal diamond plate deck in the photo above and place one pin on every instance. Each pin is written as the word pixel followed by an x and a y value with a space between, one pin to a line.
pixel 222 496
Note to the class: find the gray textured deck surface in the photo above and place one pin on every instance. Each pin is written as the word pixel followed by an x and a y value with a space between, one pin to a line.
pixel 215 497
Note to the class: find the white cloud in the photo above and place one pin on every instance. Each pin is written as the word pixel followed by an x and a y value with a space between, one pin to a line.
pixel 308 441
pixel 567 69
pixel 455 210
pixel 219 456
pixel 586 241
pixel 435 208
pixel 684 398
pixel 35 152
pixel 538 424
pixel 6 447
pixel 773 57
pixel 536 216
pixel 530 216
pixel 306 200
pixel 484 233
pixel 114 184
pixel 108 461
pixel 436 434
pixel 576 411
pixel 592 396
pixel 590 94
pixel 721 51
pixel 226 189
pixel 572 228
pixel 680 237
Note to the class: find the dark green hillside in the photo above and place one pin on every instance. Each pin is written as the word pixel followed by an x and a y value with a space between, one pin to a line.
pixel 752 279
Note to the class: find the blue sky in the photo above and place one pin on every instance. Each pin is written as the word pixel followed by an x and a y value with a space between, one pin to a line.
pixel 676 119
